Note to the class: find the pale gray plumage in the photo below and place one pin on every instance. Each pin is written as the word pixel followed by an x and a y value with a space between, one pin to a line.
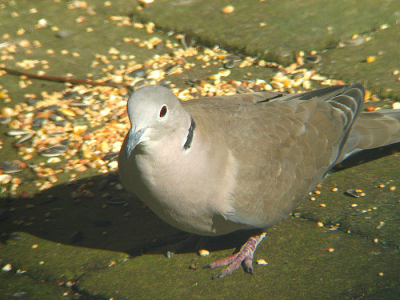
pixel 252 157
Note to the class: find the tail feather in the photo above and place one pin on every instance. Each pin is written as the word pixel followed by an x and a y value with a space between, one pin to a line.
pixel 349 103
pixel 372 130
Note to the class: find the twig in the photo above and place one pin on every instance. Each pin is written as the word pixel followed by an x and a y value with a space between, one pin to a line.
pixel 61 78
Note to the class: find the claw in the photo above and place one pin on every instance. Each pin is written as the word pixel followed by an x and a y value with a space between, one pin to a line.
pixel 216 276
pixel 248 265
pixel 245 256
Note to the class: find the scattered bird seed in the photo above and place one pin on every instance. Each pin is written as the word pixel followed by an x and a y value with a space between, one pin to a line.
pixel 20 294
pixel 139 73
pixel 7 268
pixel 116 202
pixel 171 70
pixel 5 120
pixel 78 104
pixel 370 59
pixel 228 9
pixel 9 168
pixel 5 178
pixel 70 95
pixel 63 34
pixel 312 59
pixel 229 64
pixel 61 123
pixel 261 262
pixel 54 151
pixel 24 138
pixel 355 41
pixel 203 252
pixel 111 156
pixel 39 122
pixel 352 193
pixel 16 132
pixel 31 101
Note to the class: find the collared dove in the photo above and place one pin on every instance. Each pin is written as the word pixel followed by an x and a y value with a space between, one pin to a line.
pixel 215 165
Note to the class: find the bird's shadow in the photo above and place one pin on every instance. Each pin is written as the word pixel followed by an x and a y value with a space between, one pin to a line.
pixel 367 156
pixel 94 212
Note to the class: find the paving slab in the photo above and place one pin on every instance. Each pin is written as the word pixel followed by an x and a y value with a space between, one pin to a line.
pixel 275 30
pixel 286 26
pixel 304 261
pixel 373 215
pixel 381 75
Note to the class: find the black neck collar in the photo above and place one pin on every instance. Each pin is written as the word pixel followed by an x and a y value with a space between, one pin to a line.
pixel 189 138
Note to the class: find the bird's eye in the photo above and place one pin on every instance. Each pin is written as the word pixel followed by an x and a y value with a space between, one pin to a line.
pixel 163 111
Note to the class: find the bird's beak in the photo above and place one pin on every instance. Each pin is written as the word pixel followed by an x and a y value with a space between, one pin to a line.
pixel 134 139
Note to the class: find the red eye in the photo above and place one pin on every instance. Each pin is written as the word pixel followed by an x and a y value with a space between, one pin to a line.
pixel 163 111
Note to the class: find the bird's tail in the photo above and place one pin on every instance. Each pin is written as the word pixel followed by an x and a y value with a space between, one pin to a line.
pixel 372 130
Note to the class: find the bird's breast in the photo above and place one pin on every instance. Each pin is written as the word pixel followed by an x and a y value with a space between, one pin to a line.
pixel 188 189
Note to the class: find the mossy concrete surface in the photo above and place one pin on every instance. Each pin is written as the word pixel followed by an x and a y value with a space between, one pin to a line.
pixel 337 246
pixel 349 63
pixel 304 261
pixel 300 266
pixel 46 269
pixel 277 29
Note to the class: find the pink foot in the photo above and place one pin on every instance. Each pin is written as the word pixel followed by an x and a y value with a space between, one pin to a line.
pixel 245 255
